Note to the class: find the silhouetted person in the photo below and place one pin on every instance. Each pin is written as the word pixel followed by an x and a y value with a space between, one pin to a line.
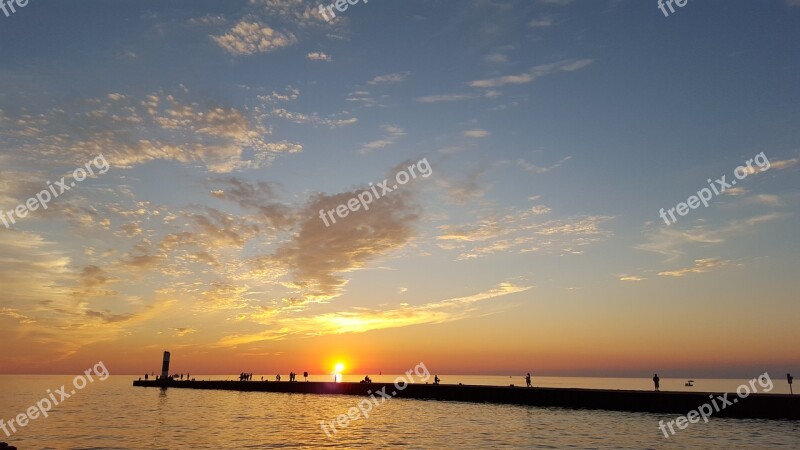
pixel 790 378
pixel 145 377
pixel 656 380
pixel 305 375
pixel 278 377
pixel 187 377
pixel 528 380
pixel 436 379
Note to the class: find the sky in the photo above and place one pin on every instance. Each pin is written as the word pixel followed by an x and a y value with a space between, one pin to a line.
pixel 545 136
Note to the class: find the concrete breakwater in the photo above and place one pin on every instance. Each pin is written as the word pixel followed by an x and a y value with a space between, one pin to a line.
pixel 755 406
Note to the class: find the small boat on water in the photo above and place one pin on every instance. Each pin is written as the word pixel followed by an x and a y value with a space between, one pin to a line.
pixel 689 383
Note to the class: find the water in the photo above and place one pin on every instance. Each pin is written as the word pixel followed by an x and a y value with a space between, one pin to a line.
pixel 114 415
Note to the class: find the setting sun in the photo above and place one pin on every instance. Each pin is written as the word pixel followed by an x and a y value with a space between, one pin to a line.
pixel 339 368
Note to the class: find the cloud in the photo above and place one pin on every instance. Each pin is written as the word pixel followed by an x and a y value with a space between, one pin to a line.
pixel 32 269
pixel 392 134
pixel 444 98
pixel 541 22
pixel 223 296
pixel 533 74
pixel 389 78
pixel 252 35
pixel 785 163
pixel 700 266
pixel 439 98
pixel 291 94
pixel 249 38
pixel 541 210
pixel 476 133
pixel 363 98
pixel 132 131
pixel 521 232
pixel 316 254
pixel 92 282
pixel 319 56
pixel 14 314
pixel 765 199
pixel 314 119
pixel 183 331
pixel 207 20
pixel 300 14
pixel 536 169
pixel 362 320
pixel 466 190
pixel 496 58
pixel 735 191
pixel 260 197
pixel 46 301
pixel 630 278
pixel 669 241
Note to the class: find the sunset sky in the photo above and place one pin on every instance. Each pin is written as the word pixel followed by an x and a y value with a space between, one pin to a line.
pixel 555 131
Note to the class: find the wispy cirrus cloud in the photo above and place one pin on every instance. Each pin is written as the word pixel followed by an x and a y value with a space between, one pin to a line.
pixel 522 231
pixel 541 169
pixel 389 78
pixel 672 241
pixel 535 72
pixel 476 133
pixel 631 278
pixel 700 266
pixel 361 320
pixel 392 134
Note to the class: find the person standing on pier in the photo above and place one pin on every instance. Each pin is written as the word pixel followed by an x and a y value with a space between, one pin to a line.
pixel 305 375
pixel 656 380
pixel 528 380
pixel 790 378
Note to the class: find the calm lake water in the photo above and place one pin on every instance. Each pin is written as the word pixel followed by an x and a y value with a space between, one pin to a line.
pixel 114 415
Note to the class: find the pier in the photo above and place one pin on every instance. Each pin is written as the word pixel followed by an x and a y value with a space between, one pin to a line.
pixel 755 406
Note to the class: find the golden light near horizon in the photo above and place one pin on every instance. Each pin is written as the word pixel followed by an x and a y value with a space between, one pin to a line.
pixel 338 368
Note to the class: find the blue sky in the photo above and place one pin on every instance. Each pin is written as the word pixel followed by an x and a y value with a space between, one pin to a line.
pixel 555 129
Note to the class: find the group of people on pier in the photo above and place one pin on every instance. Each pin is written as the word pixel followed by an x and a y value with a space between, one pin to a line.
pixel 244 376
